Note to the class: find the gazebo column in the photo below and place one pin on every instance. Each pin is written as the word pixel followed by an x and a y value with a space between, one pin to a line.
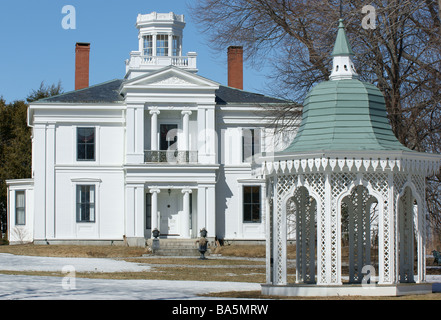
pixel 386 237
pixel 279 235
pixel 328 256
pixel 322 243
pixel 421 241
pixel 269 209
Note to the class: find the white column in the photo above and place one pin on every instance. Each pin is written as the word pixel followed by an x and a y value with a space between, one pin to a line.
pixel 186 216
pixel 170 44
pixel 155 218
pixel 154 45
pixel 135 134
pixel 141 44
pixel 39 158
pixel 134 213
pixel 185 126
pixel 154 129
pixel 50 181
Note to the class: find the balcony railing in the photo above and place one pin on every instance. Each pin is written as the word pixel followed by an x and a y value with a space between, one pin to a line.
pixel 165 61
pixel 170 156
pixel 137 61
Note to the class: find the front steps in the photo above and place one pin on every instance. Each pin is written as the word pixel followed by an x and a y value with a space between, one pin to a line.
pixel 176 247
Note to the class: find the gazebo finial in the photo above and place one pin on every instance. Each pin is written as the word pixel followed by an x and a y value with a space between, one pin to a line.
pixel 341 9
pixel 343 67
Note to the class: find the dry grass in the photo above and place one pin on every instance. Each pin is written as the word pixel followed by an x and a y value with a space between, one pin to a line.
pixel 255 251
pixel 195 261
pixel 181 273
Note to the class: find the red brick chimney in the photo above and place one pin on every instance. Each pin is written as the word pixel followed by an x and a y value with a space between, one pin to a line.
pixel 235 67
pixel 82 51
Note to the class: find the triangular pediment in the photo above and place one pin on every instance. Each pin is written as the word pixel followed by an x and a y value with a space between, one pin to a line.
pixel 170 77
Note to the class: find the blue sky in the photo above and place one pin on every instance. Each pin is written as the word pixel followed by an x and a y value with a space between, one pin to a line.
pixel 35 47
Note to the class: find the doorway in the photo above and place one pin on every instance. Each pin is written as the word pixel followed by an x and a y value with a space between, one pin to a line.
pixel 168 206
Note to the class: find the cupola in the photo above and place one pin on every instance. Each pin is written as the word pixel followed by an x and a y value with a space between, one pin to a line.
pixel 160 39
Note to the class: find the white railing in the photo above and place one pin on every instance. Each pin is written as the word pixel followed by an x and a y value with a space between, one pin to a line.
pixel 170 156
pixel 165 61
pixel 159 16
pixel 137 61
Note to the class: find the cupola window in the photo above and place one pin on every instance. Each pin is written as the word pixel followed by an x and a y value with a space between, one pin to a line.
pixel 162 45
pixel 148 46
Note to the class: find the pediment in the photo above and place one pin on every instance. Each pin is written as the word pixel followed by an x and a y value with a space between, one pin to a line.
pixel 173 81
pixel 170 77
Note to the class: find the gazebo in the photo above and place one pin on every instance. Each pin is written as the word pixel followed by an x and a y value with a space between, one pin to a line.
pixel 349 195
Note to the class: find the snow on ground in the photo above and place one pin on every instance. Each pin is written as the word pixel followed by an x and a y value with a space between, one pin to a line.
pixel 12 262
pixel 71 288
pixel 55 288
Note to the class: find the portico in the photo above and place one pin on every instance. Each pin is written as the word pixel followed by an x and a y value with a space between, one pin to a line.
pixel 177 199
pixel 173 215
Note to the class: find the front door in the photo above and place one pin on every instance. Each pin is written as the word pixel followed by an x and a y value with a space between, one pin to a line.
pixel 168 207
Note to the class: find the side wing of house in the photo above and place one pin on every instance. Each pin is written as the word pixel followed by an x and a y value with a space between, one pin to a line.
pixel 78 149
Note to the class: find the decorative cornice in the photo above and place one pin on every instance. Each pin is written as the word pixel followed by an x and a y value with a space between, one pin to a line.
pixel 423 166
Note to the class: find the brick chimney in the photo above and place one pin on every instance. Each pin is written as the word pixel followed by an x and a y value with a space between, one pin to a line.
pixel 235 67
pixel 82 51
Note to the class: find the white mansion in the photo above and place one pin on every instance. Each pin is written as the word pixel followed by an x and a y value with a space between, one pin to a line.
pixel 163 148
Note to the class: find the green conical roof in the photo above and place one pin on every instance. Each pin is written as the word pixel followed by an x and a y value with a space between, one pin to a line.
pixel 342 46
pixel 344 115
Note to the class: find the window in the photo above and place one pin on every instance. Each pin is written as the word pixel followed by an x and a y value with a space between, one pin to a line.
pixel 251 204
pixel 162 45
pixel 20 208
pixel 86 144
pixel 148 45
pixel 168 136
pixel 250 144
pixel 176 46
pixel 85 203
